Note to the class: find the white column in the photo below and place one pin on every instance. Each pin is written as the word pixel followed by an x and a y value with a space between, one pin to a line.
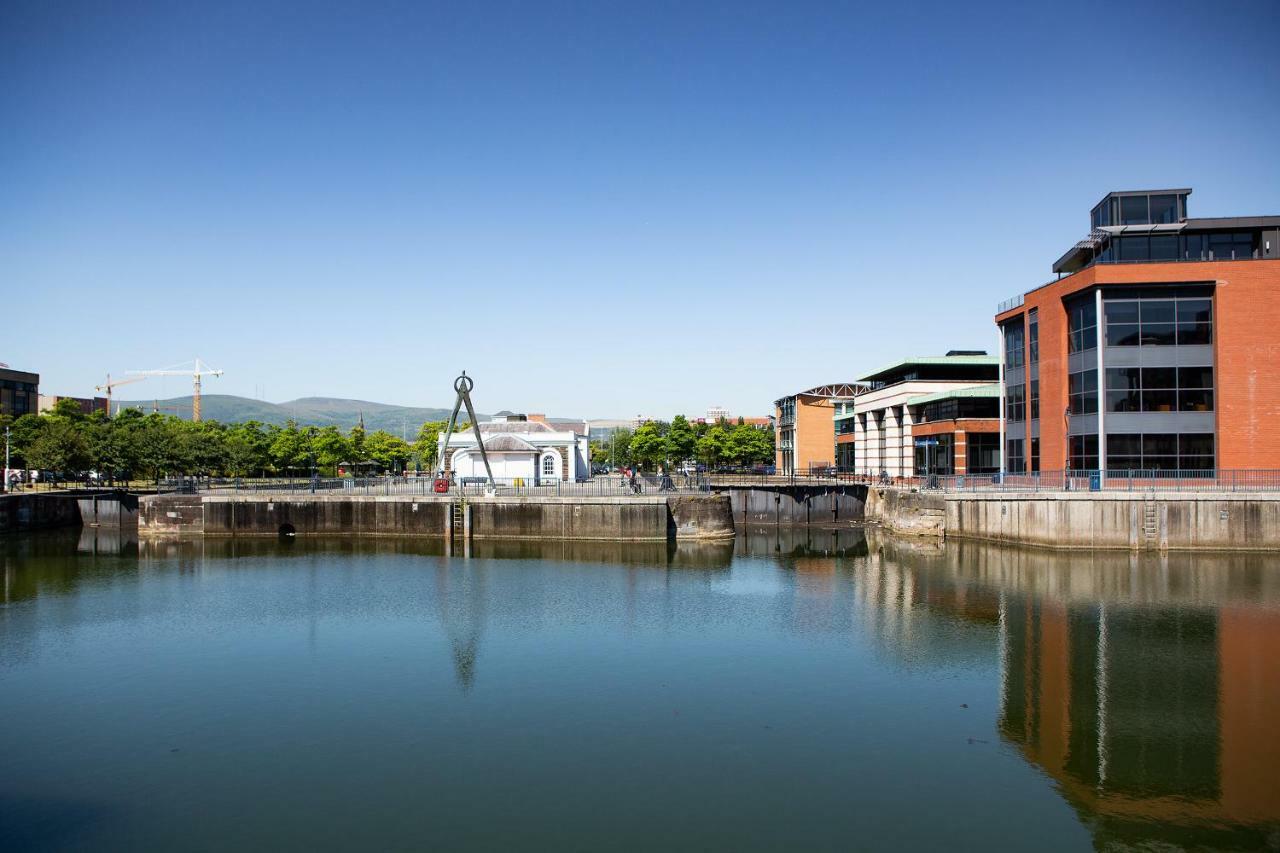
pixel 1102 385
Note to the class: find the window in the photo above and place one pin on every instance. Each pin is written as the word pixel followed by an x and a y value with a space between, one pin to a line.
pixel 1035 455
pixel 1159 389
pixel 1035 400
pixel 1195 321
pixel 1082 392
pixel 1159 452
pixel 1015 404
pixel 1232 245
pixel 1133 248
pixel 1083 452
pixel 1082 325
pixel 1015 462
pixel 936 459
pixel 1159 322
pixel 1164 247
pixel 1133 210
pixel 548 466
pixel 1164 209
pixel 983 452
pixel 1033 336
pixel 1195 247
pixel 1013 340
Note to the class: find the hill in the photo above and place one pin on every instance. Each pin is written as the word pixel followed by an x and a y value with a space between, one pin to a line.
pixel 307 411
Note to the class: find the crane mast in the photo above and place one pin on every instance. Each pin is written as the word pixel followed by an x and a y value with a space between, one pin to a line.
pixel 198 370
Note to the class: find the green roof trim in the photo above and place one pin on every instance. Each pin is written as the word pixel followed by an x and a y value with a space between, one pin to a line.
pixel 992 390
pixel 991 360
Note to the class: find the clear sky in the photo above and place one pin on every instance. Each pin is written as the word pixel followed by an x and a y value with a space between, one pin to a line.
pixel 596 209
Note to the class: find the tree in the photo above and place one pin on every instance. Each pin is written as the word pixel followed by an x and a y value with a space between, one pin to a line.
pixel 248 449
pixel 288 449
pixel 331 447
pixel 391 452
pixel 681 441
pixel 649 445
pixel 60 448
pixel 713 446
pixel 426 447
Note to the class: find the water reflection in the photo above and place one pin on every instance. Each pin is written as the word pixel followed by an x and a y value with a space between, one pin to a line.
pixel 1145 688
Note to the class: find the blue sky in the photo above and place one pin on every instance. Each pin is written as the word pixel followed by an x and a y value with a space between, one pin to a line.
pixel 596 209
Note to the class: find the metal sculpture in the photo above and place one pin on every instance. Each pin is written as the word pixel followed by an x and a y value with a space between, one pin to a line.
pixel 463 385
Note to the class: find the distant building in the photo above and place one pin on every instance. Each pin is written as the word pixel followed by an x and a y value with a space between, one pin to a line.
pixel 803 433
pixel 717 413
pixel 88 405
pixel 520 447
pixel 882 422
pixel 19 392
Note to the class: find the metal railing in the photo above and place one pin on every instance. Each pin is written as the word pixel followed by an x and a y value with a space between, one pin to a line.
pixel 603 486
pixel 1136 480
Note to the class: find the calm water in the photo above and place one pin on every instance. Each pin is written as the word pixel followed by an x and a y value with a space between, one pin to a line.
pixel 793 690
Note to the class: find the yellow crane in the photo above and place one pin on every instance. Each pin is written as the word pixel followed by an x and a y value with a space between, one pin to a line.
pixel 196 371
pixel 109 385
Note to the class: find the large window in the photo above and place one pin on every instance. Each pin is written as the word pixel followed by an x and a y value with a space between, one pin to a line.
pixel 1082 450
pixel 1034 400
pixel 1015 403
pixel 548 466
pixel 1159 451
pixel 935 459
pixel 1237 245
pixel 1013 341
pixel 959 407
pixel 1164 209
pixel 1159 322
pixel 1015 460
pixel 1033 336
pixel 1082 392
pixel 1082 325
pixel 983 452
pixel 1159 389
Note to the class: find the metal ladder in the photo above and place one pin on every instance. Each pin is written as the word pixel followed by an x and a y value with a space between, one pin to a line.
pixel 1150 521
pixel 456 527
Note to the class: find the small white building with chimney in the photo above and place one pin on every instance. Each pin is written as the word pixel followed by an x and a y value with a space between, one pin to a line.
pixel 521 446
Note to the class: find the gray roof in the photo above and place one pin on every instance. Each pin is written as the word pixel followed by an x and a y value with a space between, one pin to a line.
pixel 516 427
pixel 508 444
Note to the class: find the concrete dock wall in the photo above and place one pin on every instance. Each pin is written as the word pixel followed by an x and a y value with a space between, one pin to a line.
pixel 796 505
pixel 627 518
pixel 1130 520
pixel 21 512
pixel 907 512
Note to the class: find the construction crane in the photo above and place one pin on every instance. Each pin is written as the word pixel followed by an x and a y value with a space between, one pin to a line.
pixel 108 385
pixel 198 370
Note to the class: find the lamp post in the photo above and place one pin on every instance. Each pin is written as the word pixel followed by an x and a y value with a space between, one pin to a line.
pixel 6 458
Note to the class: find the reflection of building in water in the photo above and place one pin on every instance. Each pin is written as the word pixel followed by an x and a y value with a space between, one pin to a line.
pixel 1162 714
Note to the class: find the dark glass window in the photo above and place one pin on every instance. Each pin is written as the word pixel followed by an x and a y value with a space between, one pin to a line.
pixel 1033 336
pixel 1195 451
pixel 1231 245
pixel 1034 400
pixel 1159 452
pixel 1133 248
pixel 1015 403
pixel 1195 321
pixel 1133 210
pixel 1124 386
pixel 1082 325
pixel 1013 344
pixel 1194 247
pixel 1083 452
pixel 1158 326
pixel 1164 247
pixel 1164 208
pixel 1159 389
pixel 983 453
pixel 1015 461
pixel 1082 392
pixel 1035 455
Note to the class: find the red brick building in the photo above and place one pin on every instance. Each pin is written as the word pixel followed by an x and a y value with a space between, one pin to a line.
pixel 1157 348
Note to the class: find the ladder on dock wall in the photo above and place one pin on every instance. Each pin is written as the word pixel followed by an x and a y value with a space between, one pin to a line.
pixel 459 519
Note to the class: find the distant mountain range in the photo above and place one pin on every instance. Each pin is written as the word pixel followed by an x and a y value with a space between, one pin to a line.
pixel 307 411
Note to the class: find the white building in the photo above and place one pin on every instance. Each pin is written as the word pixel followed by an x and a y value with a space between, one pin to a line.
pixel 716 414
pixel 882 417
pixel 520 446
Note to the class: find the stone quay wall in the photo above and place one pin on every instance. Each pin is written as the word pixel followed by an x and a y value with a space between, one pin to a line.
pixel 623 518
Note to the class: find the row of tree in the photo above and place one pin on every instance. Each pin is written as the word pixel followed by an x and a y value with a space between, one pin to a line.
pixel 136 446
pixel 658 444
pixel 132 445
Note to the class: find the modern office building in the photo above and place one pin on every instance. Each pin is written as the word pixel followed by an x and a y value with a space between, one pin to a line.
pixel 883 420
pixel 803 427
pixel 1157 347
pixel 19 392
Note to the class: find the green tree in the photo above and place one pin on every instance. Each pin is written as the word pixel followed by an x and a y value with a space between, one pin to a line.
pixel 713 447
pixel 681 440
pixel 60 447
pixel 331 447
pixel 288 448
pixel 391 452
pixel 427 445
pixel 649 445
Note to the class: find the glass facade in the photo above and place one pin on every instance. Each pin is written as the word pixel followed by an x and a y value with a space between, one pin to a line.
pixel 1015 456
pixel 1185 321
pixel 1159 389
pixel 1082 325
pixel 1014 342
pixel 936 459
pixel 1082 391
pixel 1160 451
pixel 983 453
pixel 1015 404
pixel 1082 450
